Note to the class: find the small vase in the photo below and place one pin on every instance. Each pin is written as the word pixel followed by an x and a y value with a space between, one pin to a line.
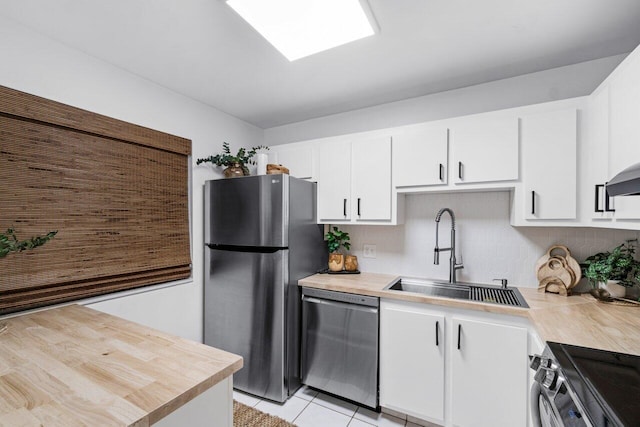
pixel 235 170
pixel 336 262
pixel 616 290
pixel 351 263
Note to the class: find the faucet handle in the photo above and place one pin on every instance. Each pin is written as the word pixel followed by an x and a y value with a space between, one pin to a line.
pixel 503 282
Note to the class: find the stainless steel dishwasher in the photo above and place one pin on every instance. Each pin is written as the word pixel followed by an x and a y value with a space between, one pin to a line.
pixel 340 344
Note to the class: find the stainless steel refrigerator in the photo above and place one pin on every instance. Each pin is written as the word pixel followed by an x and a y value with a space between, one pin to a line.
pixel 261 237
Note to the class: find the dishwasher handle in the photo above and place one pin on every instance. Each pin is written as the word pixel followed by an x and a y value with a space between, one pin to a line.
pixel 345 305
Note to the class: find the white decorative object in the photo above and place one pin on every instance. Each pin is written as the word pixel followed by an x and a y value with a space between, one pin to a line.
pixel 616 290
pixel 261 163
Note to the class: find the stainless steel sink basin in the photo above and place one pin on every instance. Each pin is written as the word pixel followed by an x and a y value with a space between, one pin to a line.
pixel 465 291
pixel 432 288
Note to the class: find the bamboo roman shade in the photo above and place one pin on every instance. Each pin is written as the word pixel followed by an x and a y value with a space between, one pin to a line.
pixel 117 193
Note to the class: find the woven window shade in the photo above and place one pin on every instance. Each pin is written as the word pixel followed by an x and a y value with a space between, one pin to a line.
pixel 117 193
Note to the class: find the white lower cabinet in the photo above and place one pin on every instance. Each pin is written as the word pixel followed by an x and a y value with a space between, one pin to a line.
pixel 412 360
pixel 489 374
pixel 453 367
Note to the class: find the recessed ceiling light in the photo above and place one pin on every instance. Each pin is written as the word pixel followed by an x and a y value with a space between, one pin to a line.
pixel 299 28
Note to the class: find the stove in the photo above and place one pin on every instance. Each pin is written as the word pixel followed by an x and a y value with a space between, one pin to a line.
pixel 578 386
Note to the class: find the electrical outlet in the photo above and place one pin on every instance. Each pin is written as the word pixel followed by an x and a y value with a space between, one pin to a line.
pixel 369 251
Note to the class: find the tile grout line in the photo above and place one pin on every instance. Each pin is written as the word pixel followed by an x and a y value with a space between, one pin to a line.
pixel 303 409
pixel 322 406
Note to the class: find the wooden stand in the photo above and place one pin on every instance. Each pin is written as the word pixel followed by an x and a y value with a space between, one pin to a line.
pixel 553 286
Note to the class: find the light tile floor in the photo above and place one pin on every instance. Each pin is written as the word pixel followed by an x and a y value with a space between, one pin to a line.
pixel 309 408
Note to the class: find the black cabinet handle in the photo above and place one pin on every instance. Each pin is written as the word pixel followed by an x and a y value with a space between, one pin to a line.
pixel 437 328
pixel 459 334
pixel 460 170
pixel 358 206
pixel 344 207
pixel 441 172
pixel 533 202
pixel 607 201
pixel 597 204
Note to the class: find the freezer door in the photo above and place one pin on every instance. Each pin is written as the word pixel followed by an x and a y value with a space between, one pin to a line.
pixel 247 211
pixel 244 313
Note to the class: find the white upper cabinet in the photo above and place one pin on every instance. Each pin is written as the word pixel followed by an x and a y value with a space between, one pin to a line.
pixel 484 149
pixel 298 159
pixel 549 164
pixel 334 181
pixel 624 143
pixel 354 180
pixel 596 171
pixel 371 179
pixel 420 156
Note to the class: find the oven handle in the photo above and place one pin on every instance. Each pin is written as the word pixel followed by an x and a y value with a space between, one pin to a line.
pixel 345 305
pixel 535 404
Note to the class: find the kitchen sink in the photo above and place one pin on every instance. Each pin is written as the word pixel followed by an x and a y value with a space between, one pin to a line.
pixel 435 289
pixel 464 291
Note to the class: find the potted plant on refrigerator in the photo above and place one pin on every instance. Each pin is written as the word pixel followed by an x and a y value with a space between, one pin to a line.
pixel 614 271
pixel 335 240
pixel 236 165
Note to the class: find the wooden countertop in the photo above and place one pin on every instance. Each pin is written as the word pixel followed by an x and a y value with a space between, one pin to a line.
pixel 77 366
pixel 577 320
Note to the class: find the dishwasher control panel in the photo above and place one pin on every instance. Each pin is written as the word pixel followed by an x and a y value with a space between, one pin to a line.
pixel 342 297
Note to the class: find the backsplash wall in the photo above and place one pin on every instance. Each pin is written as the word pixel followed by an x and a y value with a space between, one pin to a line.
pixel 487 244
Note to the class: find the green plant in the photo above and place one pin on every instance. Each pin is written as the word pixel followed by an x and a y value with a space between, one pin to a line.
pixel 10 243
pixel 619 264
pixel 336 239
pixel 242 157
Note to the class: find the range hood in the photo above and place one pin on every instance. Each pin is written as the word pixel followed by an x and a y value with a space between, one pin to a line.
pixel 626 183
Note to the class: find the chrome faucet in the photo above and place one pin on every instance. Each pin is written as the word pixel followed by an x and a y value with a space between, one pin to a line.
pixel 453 266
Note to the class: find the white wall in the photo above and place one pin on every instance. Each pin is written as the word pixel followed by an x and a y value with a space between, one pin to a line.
pixel 550 85
pixel 43 67
pixel 490 247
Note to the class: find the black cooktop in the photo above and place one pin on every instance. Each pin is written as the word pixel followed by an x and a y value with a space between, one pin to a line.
pixel 607 383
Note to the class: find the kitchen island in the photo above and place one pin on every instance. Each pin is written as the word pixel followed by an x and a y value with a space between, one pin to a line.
pixel 74 365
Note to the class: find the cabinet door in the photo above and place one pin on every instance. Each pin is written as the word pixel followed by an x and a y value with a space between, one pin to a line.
pixel 412 361
pixel 489 374
pixel 298 160
pixel 484 149
pixel 596 170
pixel 420 156
pixel 334 181
pixel 624 149
pixel 371 179
pixel 549 164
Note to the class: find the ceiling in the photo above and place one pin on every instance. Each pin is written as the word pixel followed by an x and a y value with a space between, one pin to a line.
pixel 204 50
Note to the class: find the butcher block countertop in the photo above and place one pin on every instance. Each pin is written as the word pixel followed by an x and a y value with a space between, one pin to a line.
pixel 74 365
pixel 577 320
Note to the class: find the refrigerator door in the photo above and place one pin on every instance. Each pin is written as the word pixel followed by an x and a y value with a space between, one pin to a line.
pixel 244 313
pixel 248 211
